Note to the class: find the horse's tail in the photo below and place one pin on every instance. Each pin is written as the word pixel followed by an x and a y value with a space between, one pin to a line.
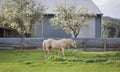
pixel 43 45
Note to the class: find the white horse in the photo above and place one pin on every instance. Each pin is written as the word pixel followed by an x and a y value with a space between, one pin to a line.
pixel 59 44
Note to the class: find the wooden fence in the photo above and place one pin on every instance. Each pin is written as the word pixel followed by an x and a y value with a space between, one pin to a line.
pixel 20 43
pixel 99 44
pixel 87 44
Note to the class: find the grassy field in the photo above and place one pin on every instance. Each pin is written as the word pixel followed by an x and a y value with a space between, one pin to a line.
pixel 74 61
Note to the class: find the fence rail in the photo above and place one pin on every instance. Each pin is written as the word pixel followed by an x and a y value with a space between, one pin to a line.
pixel 88 44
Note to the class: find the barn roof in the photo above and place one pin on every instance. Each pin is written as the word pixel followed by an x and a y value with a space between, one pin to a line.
pixel 89 4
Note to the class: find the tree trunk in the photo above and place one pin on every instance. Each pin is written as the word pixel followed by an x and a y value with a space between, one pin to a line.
pixel 75 34
pixel 27 35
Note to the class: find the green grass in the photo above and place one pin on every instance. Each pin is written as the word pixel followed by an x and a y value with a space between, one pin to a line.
pixel 74 61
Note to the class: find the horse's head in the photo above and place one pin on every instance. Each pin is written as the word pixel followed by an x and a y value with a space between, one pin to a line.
pixel 73 43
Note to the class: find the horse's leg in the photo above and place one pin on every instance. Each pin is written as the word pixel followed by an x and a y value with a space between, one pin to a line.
pixel 47 51
pixel 59 52
pixel 63 51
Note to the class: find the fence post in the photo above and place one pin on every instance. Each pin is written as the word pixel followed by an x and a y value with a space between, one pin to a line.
pixel 22 39
pixel 105 45
pixel 84 44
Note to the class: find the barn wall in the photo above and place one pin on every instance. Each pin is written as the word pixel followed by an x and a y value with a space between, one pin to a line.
pixel 98 32
pixel 37 30
pixel 88 31
pixel 45 30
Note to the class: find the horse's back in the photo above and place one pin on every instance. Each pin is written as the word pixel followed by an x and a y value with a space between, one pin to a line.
pixel 56 43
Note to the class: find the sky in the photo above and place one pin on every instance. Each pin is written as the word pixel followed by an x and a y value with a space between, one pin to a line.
pixel 109 7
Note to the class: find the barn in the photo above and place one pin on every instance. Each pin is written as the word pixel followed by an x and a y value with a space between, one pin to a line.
pixel 6 32
pixel 45 30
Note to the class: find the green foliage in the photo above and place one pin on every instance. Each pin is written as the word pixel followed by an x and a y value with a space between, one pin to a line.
pixel 21 14
pixel 79 56
pixel 70 18
pixel 113 62
pixel 111 27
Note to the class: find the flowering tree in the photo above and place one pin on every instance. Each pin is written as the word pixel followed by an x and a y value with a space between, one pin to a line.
pixel 21 14
pixel 70 19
